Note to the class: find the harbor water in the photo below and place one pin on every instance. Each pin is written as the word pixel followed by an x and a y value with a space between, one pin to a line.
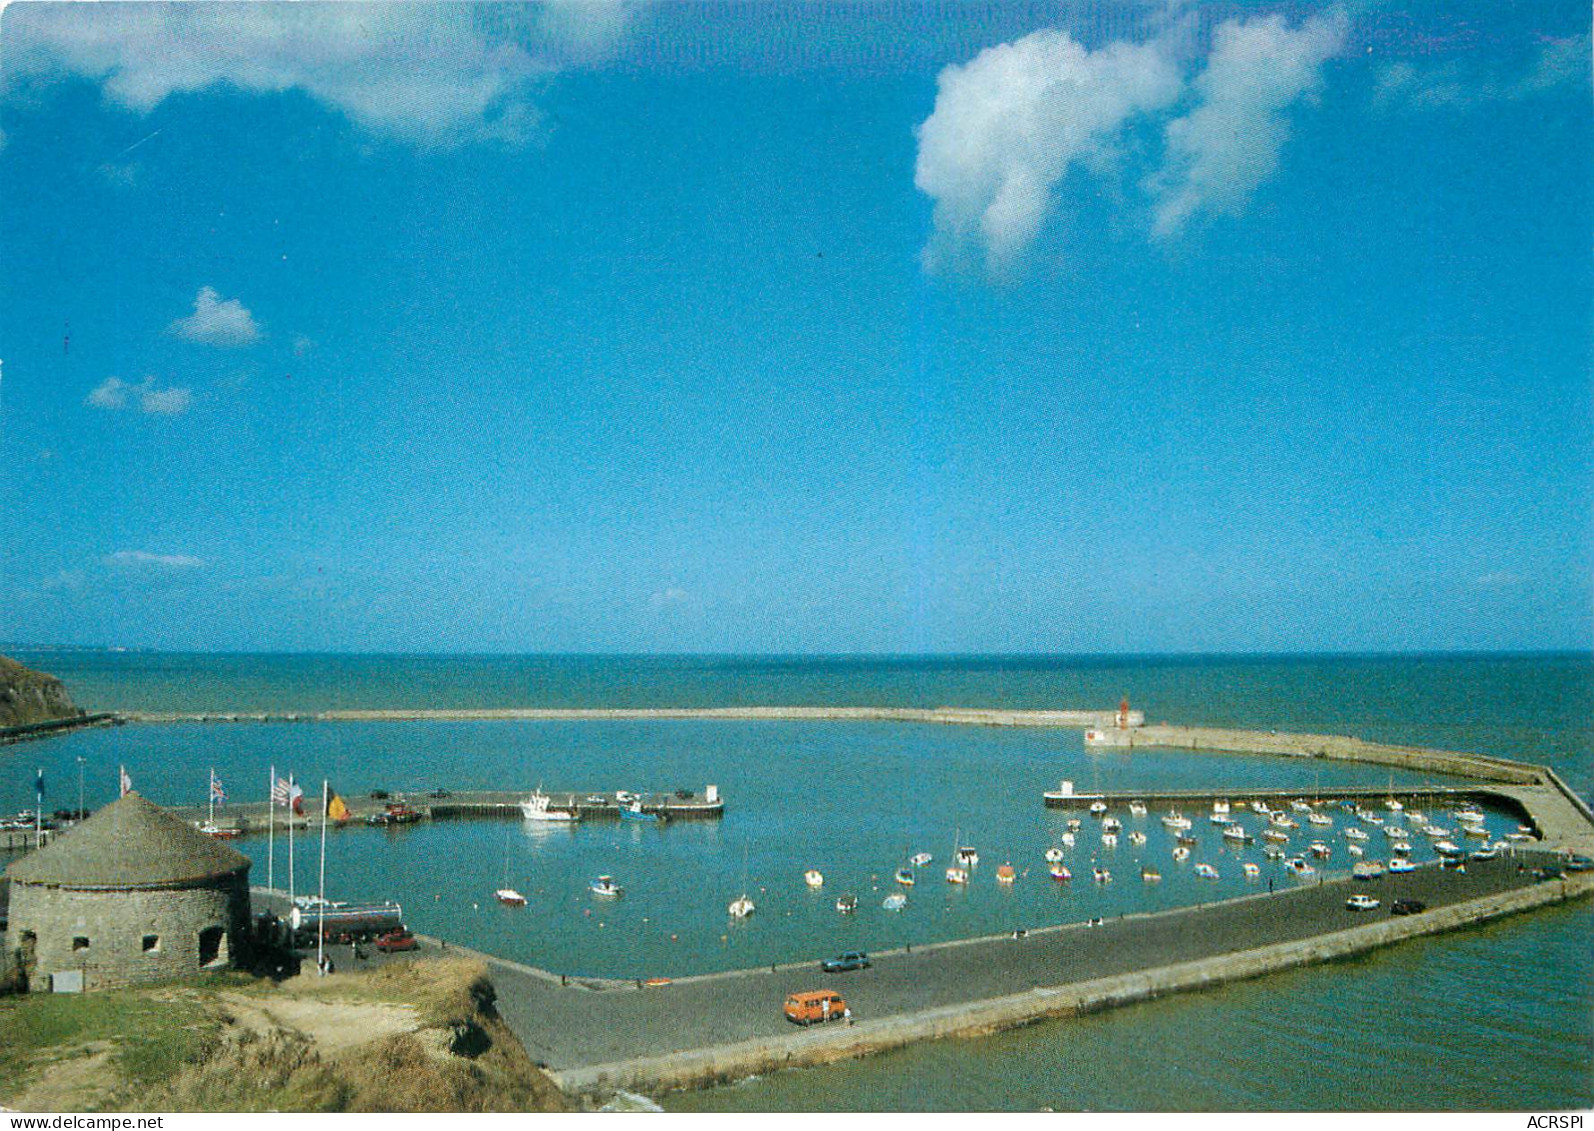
pixel 853 800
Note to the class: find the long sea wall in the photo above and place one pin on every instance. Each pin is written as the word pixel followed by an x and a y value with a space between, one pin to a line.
pixel 724 1063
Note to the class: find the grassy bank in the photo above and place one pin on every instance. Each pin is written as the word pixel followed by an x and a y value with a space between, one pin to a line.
pixel 403 1037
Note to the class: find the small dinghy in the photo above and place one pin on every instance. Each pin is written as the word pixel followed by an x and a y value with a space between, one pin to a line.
pixel 509 897
pixel 1060 873
pixel 814 878
pixel 605 885
pixel 1206 871
pixel 1005 874
pixel 896 901
pixel 1054 856
pixel 847 904
pixel 741 907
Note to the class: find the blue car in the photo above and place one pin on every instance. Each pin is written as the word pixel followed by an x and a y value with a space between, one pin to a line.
pixel 851 960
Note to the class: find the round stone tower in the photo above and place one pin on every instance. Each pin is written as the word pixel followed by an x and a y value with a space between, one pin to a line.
pixel 131 895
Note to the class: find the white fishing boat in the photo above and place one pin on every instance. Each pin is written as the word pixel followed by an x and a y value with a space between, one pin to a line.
pixel 1273 852
pixel 1260 808
pixel 1393 805
pixel 1137 839
pixel 1355 849
pixel 1181 854
pixel 1299 866
pixel 1475 830
pixel 1400 848
pixel 510 897
pixel 1109 840
pixel 814 878
pixel 1415 816
pixel 1101 875
pixel 1320 850
pixel 1060 873
pixel 1252 871
pixel 1282 820
pixel 1468 815
pixel 968 857
pixel 741 907
pixel 1150 874
pixel 1301 805
pixel 905 877
pixel 1276 836
pixel 1321 819
pixel 1073 824
pixel 535 808
pixel 920 859
pixel 1236 832
pixel 1435 831
pixel 1005 874
pixel 1520 837
pixel 1176 820
pixel 1220 806
pixel 605 885
pixel 1206 871
pixel 1354 833
pixel 1395 832
pixel 1137 808
pixel 1447 848
pixel 956 875
pixel 1218 818
pixel 1112 825
pixel 896 901
pixel 1098 808
pixel 1486 854
pixel 1054 856
pixel 847 904
pixel 1068 840
pixel 1397 865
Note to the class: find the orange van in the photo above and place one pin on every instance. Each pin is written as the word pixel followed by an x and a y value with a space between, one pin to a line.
pixel 815 1005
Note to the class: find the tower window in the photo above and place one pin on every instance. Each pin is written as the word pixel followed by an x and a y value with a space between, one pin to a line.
pixel 152 943
pixel 80 942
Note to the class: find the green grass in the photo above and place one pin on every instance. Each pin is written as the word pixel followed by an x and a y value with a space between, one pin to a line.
pixel 154 1032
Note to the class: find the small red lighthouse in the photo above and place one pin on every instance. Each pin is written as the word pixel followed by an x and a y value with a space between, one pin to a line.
pixel 1123 713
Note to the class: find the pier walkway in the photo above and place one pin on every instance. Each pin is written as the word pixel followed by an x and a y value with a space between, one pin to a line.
pixel 595 1033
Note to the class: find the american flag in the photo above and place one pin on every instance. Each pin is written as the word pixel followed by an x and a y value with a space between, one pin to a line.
pixel 285 793
pixel 217 793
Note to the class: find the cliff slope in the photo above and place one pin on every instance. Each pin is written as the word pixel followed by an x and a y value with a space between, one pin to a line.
pixel 27 696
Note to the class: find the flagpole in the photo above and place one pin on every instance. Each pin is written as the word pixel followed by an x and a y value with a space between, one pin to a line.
pixel 38 812
pixel 271 830
pixel 290 838
pixel 321 932
pixel 211 820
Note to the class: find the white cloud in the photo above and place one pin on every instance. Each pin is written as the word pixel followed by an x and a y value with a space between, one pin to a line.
pixel 1557 64
pixel 110 394
pixel 143 559
pixel 217 322
pixel 1225 147
pixel 165 402
pixel 113 394
pixel 589 28
pixel 432 74
pixel 670 595
pixel 1009 124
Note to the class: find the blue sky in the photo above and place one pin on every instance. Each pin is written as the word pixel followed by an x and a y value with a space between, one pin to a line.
pixel 799 328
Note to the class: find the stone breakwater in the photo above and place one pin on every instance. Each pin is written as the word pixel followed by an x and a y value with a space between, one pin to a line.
pixel 954 716
pixel 728 1062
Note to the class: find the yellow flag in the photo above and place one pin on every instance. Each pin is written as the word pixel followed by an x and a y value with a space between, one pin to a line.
pixel 336 809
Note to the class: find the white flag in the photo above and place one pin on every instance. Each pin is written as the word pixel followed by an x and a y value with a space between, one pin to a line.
pixel 127 782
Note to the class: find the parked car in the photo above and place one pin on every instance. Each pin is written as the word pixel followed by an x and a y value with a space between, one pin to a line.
pixel 440 793
pixel 380 795
pixel 396 940
pixel 1576 863
pixel 1407 907
pixel 1361 903
pixel 850 960
pixel 815 1005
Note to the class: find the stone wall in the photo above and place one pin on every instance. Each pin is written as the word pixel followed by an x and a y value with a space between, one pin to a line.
pixel 134 936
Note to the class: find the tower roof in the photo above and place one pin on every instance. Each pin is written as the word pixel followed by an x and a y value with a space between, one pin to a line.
pixel 129 843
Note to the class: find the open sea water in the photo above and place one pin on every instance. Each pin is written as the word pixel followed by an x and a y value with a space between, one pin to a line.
pixel 1505 1009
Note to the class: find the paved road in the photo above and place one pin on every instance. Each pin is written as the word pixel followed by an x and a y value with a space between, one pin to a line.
pixel 568 1027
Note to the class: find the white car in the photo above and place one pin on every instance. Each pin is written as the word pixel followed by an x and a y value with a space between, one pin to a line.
pixel 1361 903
